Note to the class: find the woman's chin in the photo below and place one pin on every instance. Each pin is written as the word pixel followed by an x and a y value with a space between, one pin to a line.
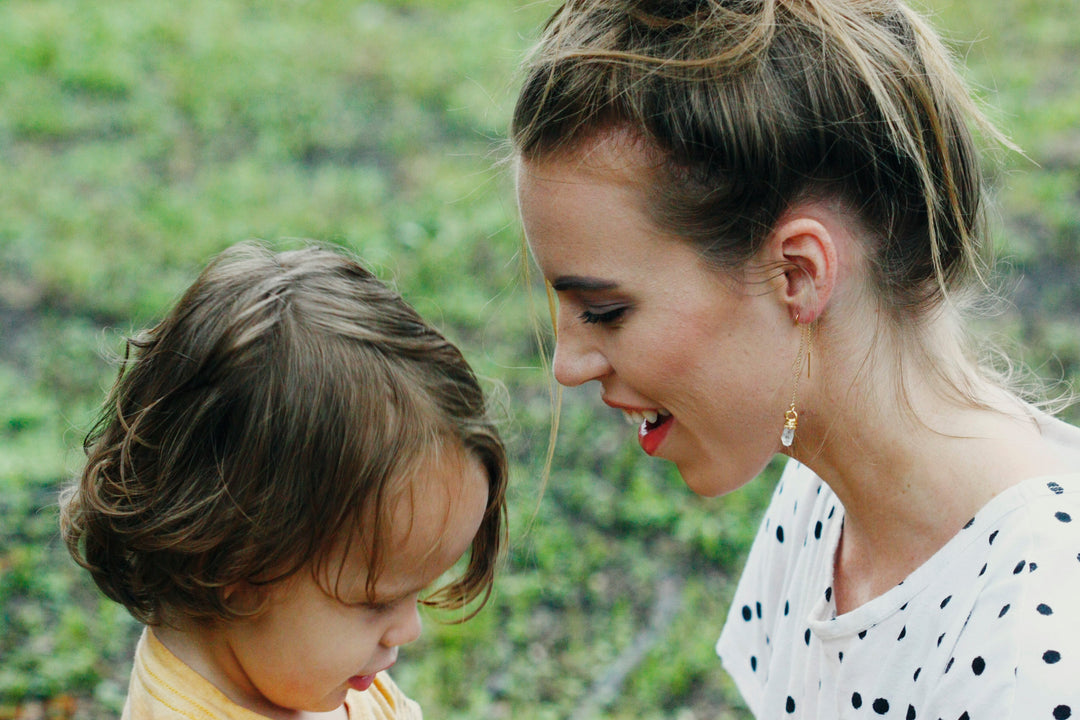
pixel 712 478
pixel 704 483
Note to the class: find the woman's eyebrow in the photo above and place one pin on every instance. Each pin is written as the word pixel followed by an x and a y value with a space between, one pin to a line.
pixel 578 282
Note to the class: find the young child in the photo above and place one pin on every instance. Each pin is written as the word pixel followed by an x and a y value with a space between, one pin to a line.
pixel 284 464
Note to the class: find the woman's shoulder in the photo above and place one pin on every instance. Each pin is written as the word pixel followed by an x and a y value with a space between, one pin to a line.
pixel 1063 437
pixel 1020 636
pixel 1035 517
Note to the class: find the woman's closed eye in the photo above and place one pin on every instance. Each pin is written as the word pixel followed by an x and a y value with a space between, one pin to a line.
pixel 603 315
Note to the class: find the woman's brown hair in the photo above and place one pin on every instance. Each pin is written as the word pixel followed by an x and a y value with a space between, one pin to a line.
pixel 750 106
pixel 272 413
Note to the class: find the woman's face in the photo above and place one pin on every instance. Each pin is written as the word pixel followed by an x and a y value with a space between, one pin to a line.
pixel 699 359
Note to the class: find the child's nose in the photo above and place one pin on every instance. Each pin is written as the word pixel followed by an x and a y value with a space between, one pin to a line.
pixel 405 628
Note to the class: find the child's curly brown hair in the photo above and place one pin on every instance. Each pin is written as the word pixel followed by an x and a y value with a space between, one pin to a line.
pixel 274 411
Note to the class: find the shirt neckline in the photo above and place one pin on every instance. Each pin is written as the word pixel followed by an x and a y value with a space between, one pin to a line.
pixel 824 621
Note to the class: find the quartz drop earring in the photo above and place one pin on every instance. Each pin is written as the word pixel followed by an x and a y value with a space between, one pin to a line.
pixel 791 417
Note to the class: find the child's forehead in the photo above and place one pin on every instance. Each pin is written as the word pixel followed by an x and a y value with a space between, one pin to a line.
pixel 427 524
pixel 431 492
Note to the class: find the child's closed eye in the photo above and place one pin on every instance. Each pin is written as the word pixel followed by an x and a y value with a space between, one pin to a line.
pixel 385 604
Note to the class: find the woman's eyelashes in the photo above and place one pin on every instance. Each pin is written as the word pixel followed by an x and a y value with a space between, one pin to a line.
pixel 603 316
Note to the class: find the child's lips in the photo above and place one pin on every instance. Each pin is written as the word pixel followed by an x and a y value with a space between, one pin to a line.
pixel 363 682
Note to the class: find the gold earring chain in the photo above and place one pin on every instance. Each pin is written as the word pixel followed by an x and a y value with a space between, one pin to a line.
pixel 791 417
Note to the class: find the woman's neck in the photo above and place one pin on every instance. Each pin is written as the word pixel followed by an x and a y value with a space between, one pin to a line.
pixel 910 461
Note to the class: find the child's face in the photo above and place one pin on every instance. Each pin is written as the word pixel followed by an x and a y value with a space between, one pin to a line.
pixel 308 648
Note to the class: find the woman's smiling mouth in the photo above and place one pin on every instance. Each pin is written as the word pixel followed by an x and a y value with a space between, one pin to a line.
pixel 653 429
pixel 637 417
pixel 653 424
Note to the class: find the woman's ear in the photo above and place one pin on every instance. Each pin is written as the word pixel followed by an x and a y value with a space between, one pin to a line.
pixel 805 243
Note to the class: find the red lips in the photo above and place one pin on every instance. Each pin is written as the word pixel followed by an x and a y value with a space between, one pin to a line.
pixel 650 435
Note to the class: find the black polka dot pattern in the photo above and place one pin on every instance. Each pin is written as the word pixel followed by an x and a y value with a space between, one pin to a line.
pixel 985 629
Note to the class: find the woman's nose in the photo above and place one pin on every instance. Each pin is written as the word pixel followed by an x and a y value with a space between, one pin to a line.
pixel 577 361
pixel 406 627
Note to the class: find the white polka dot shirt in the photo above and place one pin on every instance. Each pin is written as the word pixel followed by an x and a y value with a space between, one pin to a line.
pixel 987 629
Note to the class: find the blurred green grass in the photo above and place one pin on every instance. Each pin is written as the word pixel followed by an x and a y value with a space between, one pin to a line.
pixel 139 138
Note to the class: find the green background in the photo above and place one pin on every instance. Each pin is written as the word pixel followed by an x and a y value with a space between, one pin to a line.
pixel 138 138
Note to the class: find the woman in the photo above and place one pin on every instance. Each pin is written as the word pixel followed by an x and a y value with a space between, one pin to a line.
pixel 762 219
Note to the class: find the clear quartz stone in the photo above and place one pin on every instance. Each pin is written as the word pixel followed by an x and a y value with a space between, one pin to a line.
pixel 787 437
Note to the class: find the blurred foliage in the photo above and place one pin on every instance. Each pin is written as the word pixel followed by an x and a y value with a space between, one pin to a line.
pixel 139 138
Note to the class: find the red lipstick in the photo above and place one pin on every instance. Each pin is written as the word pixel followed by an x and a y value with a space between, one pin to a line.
pixel 650 435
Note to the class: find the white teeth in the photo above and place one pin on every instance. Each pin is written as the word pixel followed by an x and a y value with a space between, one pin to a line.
pixel 636 417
